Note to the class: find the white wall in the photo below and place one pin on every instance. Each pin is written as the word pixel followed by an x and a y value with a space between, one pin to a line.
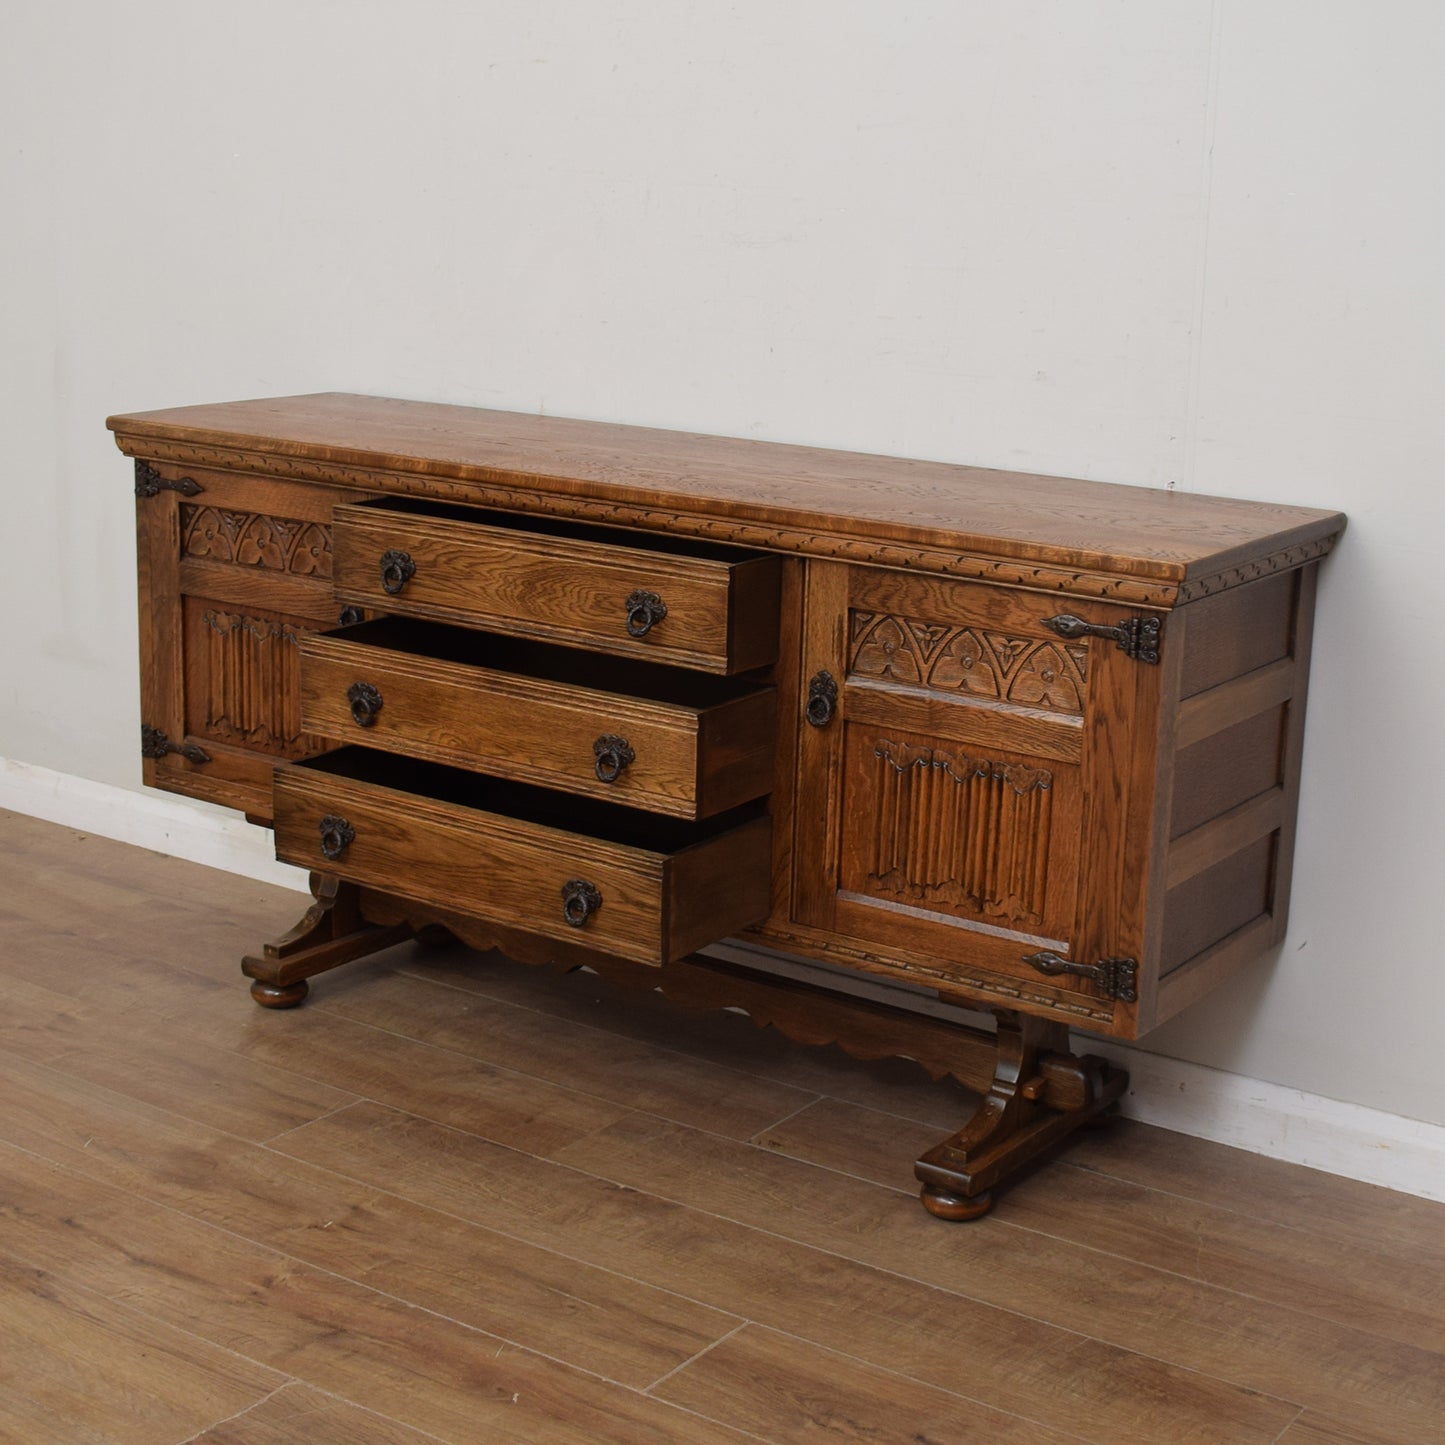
pixel 1170 242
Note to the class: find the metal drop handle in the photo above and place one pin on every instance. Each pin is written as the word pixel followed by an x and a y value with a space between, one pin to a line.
pixel 397 569
pixel 336 835
pixel 822 699
pixel 613 754
pixel 644 611
pixel 580 900
pixel 365 703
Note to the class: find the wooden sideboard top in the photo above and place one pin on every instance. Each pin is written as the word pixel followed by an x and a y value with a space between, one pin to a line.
pixel 805 499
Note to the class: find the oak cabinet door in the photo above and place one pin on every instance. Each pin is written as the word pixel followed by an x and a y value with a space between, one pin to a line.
pixel 975 798
pixel 234 570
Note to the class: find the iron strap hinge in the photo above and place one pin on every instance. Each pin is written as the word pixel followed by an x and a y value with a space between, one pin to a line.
pixel 150 483
pixel 1117 977
pixel 1138 637
pixel 155 744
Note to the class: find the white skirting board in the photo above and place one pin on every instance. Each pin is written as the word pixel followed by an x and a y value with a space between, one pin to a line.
pixel 1264 1118
pixel 199 832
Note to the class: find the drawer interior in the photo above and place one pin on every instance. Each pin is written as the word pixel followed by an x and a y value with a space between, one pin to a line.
pixel 543 526
pixel 626 827
pixel 570 666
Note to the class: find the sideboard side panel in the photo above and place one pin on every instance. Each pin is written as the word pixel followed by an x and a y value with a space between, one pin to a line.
pixel 1236 772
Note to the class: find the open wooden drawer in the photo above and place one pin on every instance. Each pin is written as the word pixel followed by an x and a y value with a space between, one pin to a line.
pixel 618 881
pixel 683 601
pixel 670 741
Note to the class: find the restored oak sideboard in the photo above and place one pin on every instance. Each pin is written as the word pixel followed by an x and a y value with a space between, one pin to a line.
pixel 599 695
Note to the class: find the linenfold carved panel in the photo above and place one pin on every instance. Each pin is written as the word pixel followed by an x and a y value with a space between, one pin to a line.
pixel 960 833
pixel 253 539
pixel 245 685
pixel 1031 672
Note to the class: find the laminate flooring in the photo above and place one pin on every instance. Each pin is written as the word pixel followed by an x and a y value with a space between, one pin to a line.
pixel 455 1198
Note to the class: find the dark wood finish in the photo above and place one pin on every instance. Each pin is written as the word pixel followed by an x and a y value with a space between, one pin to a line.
pixel 1027 743
pixel 665 888
pixel 562 588
pixel 1015 1122
pixel 230 579
pixel 331 932
pixel 536 714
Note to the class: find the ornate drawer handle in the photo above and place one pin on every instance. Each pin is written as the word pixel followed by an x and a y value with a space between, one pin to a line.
pixel 613 754
pixel 644 611
pixel 580 900
pixel 336 835
pixel 365 703
pixel 822 699
pixel 397 569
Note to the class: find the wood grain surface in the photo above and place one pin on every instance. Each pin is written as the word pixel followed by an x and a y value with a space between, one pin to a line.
pixel 459 1199
pixel 805 494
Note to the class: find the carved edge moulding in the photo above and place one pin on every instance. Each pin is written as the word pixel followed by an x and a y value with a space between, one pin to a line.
pixel 505 495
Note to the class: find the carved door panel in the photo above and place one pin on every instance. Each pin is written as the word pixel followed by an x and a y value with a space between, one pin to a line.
pixel 233 570
pixel 970 803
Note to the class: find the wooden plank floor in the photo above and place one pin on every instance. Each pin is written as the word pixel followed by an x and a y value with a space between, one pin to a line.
pixel 453 1198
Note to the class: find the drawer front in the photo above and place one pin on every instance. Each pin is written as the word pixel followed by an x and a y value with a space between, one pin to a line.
pixel 693 611
pixel 686 761
pixel 627 900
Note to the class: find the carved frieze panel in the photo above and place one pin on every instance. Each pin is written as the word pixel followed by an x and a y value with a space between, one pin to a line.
pixel 958 833
pixel 253 539
pixel 1027 671
pixel 244 681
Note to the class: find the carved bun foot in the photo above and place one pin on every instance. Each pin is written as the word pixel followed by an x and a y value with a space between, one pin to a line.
pixel 269 995
pixel 331 933
pixel 1040 1094
pixel 955 1207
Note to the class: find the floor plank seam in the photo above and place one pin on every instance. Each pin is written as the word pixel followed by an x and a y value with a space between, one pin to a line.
pixel 1276 1274
pixel 1302 1311
pixel 118 1302
pixel 366 1184
pixel 662 1379
pixel 778 1123
pixel 1386 1245
pixel 503 1344
pixel 701 1015
pixel 495 1229
pixel 973 1299
pixel 831 1169
pixel 1289 1427
pixel 306 1123
pixel 481 1059
pixel 284 1254
pixel 567 1364
pixel 991 1223
pixel 913 1279
pixel 474 1059
pixel 881 1370
pixel 226 1420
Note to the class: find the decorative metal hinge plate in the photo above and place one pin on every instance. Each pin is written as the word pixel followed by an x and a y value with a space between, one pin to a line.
pixel 155 744
pixel 150 483
pixel 1138 637
pixel 1116 977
